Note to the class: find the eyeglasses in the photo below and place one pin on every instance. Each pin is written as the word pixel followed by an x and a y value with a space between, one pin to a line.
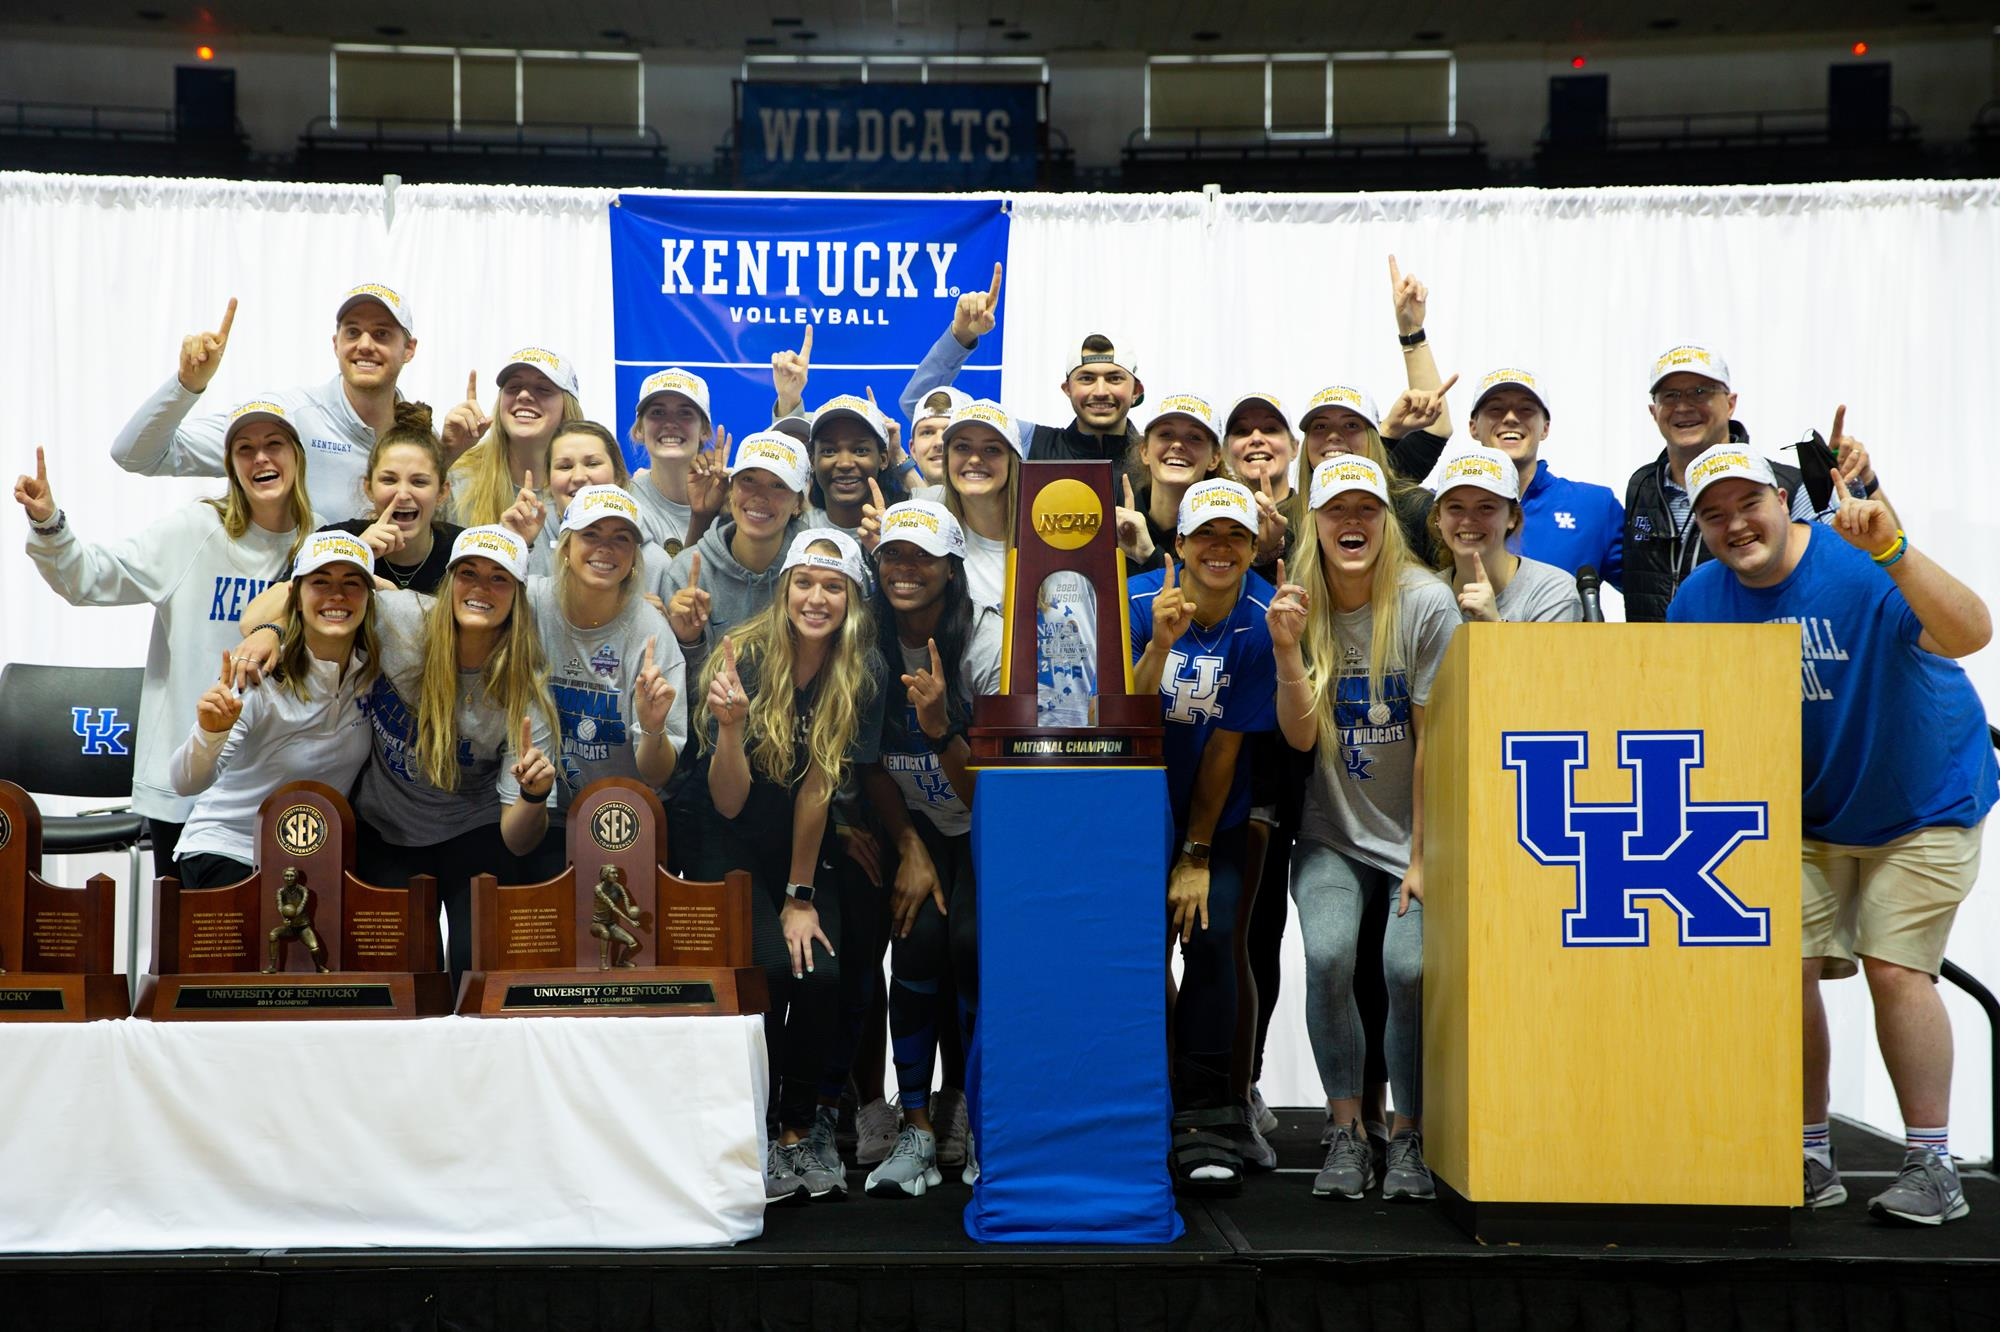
pixel 1698 395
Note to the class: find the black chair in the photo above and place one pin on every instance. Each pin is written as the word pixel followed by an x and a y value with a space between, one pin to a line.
pixel 70 731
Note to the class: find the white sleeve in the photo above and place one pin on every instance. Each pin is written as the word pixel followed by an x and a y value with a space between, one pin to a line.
pixel 193 767
pixel 156 441
pixel 141 569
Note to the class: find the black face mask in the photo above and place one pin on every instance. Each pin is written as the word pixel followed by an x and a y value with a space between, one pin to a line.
pixel 1816 463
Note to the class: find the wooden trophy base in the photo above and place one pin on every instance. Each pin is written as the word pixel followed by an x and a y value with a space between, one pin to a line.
pixel 293 996
pixel 47 996
pixel 620 992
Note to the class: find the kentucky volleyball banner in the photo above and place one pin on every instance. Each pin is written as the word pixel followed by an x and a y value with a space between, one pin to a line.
pixel 718 285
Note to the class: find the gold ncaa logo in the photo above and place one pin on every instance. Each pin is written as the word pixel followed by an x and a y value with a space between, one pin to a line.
pixel 615 826
pixel 301 830
pixel 1066 514
pixel 6 830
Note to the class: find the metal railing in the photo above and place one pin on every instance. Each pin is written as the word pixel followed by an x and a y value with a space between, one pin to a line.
pixel 65 120
pixel 481 136
pixel 1402 138
pixel 1723 129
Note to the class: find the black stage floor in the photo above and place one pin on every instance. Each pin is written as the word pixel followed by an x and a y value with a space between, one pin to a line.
pixel 1273 1257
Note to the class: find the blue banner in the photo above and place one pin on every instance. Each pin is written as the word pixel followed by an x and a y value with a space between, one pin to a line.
pixel 888 136
pixel 718 285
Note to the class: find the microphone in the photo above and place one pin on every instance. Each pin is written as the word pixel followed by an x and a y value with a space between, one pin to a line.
pixel 1587 583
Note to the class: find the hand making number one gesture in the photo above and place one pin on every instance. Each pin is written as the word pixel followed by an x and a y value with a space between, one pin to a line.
pixel 1865 524
pixel 466 423
pixel 977 312
pixel 533 773
pixel 32 492
pixel 927 696
pixel 652 694
pixel 789 371
pixel 217 710
pixel 1286 615
pixel 201 353
pixel 687 613
pixel 727 702
pixel 1171 611
pixel 525 516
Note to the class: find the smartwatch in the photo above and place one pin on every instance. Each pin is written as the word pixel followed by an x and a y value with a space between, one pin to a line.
pixel 800 892
pixel 1196 853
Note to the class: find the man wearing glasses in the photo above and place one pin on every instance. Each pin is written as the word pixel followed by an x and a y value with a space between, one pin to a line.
pixel 1693 407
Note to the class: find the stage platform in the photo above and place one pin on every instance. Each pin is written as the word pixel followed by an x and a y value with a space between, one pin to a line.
pixel 1275 1257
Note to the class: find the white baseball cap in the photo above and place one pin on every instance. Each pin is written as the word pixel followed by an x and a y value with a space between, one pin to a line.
pixel 1344 472
pixel 684 383
pixel 777 453
pixel 925 524
pixel 1266 399
pixel 862 410
pixel 1688 358
pixel 553 364
pixel 986 412
pixel 1474 465
pixel 596 502
pixel 333 547
pixel 1193 407
pixel 849 561
pixel 954 399
pixel 1206 501
pixel 496 543
pixel 258 409
pixel 1081 358
pixel 1726 462
pixel 1512 376
pixel 386 296
pixel 1341 398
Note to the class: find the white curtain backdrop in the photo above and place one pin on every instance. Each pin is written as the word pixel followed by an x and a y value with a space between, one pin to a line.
pixel 1884 296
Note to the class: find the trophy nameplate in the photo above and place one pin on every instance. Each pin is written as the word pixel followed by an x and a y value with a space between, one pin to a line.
pixel 301 938
pixel 55 943
pixel 614 935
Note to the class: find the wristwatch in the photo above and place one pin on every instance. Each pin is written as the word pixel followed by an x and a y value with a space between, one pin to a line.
pixel 800 892
pixel 1195 853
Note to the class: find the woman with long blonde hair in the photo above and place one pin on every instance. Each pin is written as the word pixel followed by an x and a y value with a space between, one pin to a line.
pixel 1359 636
pixel 538 392
pixel 789 705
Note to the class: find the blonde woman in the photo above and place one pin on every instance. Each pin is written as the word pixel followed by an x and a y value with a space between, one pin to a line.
pixel 199 567
pixel 1358 639
pixel 982 480
pixel 538 392
pixel 790 704
pixel 1182 445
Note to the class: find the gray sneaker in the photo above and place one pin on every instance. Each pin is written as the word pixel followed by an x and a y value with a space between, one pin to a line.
pixel 911 1169
pixel 818 1160
pixel 952 1125
pixel 970 1175
pixel 1927 1193
pixel 1261 1117
pixel 1823 1186
pixel 781 1177
pixel 1348 1170
pixel 875 1127
pixel 1256 1151
pixel 1406 1175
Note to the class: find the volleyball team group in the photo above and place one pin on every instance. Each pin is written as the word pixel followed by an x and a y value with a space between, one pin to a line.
pixel 465 619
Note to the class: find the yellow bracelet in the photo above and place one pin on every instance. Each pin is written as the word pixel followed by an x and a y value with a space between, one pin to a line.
pixel 1894 549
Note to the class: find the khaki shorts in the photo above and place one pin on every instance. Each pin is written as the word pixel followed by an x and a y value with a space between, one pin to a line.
pixel 1893 902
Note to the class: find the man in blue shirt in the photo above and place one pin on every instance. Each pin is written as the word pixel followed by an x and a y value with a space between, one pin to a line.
pixel 1570 524
pixel 1898 777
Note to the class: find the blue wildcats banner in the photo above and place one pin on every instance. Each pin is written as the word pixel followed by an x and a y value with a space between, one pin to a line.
pixel 718 285
pixel 888 136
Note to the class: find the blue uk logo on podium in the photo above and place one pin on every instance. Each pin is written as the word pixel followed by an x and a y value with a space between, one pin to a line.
pixel 1662 845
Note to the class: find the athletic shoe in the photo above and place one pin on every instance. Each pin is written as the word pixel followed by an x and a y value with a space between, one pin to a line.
pixel 1348 1170
pixel 1823 1186
pixel 1261 1117
pixel 911 1168
pixel 818 1160
pixel 1328 1130
pixel 874 1132
pixel 952 1124
pixel 1256 1151
pixel 1927 1193
pixel 970 1175
pixel 1407 1176
pixel 781 1177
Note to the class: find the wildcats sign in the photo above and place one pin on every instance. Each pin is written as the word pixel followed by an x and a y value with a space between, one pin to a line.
pixel 888 136
pixel 718 285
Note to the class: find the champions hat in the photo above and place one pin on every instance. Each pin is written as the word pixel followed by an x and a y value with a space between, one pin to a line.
pixel 1726 462
pixel 1341 397
pixel 258 409
pixel 690 386
pixel 954 399
pixel 553 364
pixel 925 524
pixel 383 294
pixel 986 412
pixel 860 409
pixel 1191 406
pixel 1344 472
pixel 1512 377
pixel 849 562
pixel 1688 359
pixel 1475 465
pixel 496 543
pixel 1206 501
pixel 1264 399
pixel 777 453
pixel 595 502
pixel 324 548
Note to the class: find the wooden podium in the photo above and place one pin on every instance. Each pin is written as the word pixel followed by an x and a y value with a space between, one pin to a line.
pixel 614 935
pixel 55 943
pixel 1611 932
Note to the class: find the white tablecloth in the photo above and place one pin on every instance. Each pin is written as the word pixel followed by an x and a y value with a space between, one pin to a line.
pixel 442 1133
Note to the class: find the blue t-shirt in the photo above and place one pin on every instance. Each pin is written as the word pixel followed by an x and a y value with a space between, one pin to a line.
pixel 1894 736
pixel 1224 677
pixel 1572 523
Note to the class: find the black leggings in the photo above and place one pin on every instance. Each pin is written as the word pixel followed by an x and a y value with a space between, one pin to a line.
pixel 940 954
pixel 453 863
pixel 165 837
pixel 205 870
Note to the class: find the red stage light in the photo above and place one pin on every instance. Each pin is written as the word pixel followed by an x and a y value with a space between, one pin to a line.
pixel 1861 48
pixel 204 53
pixel 1576 62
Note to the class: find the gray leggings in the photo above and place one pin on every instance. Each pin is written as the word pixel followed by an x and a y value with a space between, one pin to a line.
pixel 1329 891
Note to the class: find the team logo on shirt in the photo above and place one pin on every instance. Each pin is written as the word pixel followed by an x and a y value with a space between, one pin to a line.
pixel 1566 521
pixel 1662 845
pixel 605 663
pixel 301 830
pixel 614 826
pixel 1193 686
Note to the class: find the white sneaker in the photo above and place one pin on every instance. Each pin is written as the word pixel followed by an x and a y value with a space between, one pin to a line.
pixel 970 1175
pixel 911 1169
pixel 1261 1117
pixel 875 1127
pixel 952 1123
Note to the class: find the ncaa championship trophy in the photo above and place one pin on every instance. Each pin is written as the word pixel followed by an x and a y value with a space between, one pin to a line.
pixel 1070 832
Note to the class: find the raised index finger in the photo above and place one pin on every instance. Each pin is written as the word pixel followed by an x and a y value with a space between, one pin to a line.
pixel 1445 387
pixel 875 493
pixel 806 344
pixel 993 292
pixel 1395 273
pixel 694 570
pixel 41 465
pixel 472 387
pixel 1479 568
pixel 1839 421
pixel 527 737
pixel 646 657
pixel 228 318
pixel 937 665
pixel 1281 571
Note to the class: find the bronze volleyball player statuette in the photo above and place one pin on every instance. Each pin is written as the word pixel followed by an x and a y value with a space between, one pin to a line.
pixel 294 922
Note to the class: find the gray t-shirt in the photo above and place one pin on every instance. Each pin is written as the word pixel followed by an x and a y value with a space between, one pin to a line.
pixel 591 672
pixel 905 756
pixel 1359 798
pixel 666 521
pixel 395 797
pixel 985 568
pixel 1537 592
